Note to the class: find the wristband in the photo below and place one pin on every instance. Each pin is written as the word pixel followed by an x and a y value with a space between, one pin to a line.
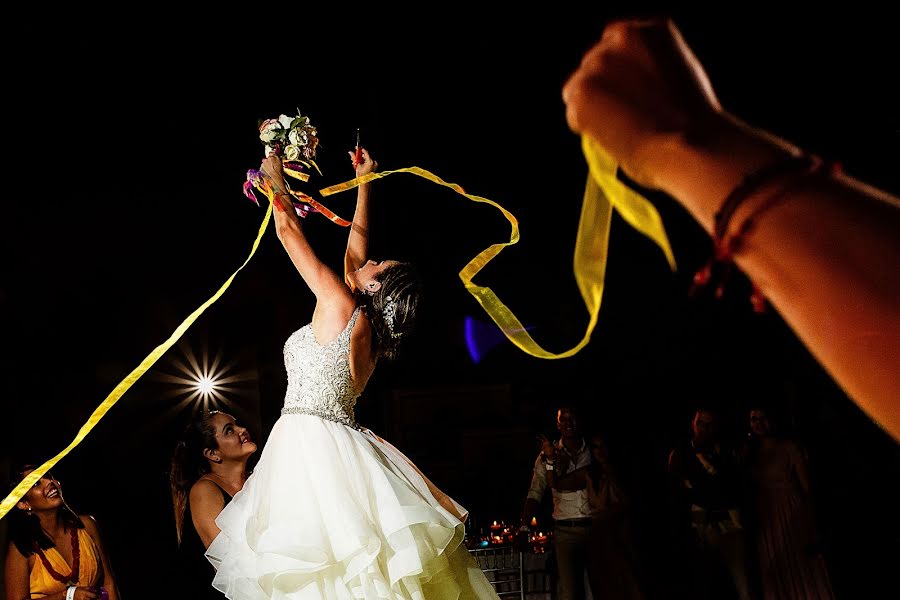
pixel 70 592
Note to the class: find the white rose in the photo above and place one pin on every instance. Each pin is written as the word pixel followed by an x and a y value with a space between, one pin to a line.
pixel 267 137
pixel 297 136
pixel 285 121
pixel 268 130
pixel 292 152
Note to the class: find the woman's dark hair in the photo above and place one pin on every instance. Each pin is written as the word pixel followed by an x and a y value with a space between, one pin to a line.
pixel 392 309
pixel 189 464
pixel 596 469
pixel 25 530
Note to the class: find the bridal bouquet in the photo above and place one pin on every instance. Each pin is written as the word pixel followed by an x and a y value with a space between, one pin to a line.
pixel 292 137
pixel 295 140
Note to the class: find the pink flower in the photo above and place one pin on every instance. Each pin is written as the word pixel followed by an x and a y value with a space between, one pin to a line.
pixel 254 177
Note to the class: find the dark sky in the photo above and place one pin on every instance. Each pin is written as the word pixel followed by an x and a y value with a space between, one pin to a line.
pixel 128 144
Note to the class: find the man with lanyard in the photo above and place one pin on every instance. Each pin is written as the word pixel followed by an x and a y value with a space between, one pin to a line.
pixel 562 466
pixel 705 494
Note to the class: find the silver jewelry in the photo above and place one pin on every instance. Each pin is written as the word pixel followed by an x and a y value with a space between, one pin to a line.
pixel 388 313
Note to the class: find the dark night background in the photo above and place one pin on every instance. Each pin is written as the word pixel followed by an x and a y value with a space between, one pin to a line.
pixel 129 137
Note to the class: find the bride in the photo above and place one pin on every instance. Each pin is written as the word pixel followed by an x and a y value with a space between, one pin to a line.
pixel 332 510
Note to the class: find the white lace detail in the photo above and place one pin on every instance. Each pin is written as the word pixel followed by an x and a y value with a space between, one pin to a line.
pixel 319 381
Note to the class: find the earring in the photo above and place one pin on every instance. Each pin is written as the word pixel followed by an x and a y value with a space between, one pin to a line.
pixel 28 511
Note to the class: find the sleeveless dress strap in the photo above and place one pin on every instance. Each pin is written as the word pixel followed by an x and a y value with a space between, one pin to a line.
pixel 225 495
pixel 351 322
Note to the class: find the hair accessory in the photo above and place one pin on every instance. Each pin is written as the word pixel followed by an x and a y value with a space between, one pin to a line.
pixel 388 313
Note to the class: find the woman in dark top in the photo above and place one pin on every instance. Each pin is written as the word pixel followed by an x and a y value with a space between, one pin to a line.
pixel 209 466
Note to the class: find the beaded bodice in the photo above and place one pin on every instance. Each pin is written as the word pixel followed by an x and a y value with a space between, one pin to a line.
pixel 319 381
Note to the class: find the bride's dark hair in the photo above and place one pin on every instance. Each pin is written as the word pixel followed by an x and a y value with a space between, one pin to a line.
pixel 392 309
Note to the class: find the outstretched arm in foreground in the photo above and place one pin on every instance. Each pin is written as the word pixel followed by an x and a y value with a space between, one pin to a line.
pixel 825 254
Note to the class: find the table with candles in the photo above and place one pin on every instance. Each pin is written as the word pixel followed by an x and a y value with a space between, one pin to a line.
pixel 537 552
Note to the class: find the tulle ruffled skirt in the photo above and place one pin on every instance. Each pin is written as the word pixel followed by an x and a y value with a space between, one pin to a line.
pixel 335 513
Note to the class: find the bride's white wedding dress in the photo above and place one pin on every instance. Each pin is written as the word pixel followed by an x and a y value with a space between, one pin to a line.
pixel 331 510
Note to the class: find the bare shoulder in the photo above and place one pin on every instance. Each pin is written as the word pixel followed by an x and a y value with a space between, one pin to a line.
pixel 204 491
pixel 90 525
pixel 331 318
pixel 12 553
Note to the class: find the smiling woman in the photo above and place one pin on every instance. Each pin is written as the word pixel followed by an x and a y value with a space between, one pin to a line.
pixel 209 466
pixel 55 553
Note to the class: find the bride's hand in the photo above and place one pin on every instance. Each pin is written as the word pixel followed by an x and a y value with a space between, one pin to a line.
pixel 272 168
pixel 366 164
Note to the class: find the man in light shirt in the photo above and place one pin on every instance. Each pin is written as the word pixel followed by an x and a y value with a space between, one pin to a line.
pixel 562 466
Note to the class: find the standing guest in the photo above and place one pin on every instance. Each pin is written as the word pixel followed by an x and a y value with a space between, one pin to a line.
pixel 705 497
pixel 565 462
pixel 611 545
pixel 791 565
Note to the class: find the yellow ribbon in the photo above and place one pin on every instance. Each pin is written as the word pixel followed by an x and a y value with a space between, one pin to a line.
pixel 14 496
pixel 634 208
pixel 603 192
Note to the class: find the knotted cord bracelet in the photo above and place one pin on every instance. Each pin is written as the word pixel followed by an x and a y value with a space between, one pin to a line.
pixel 725 246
